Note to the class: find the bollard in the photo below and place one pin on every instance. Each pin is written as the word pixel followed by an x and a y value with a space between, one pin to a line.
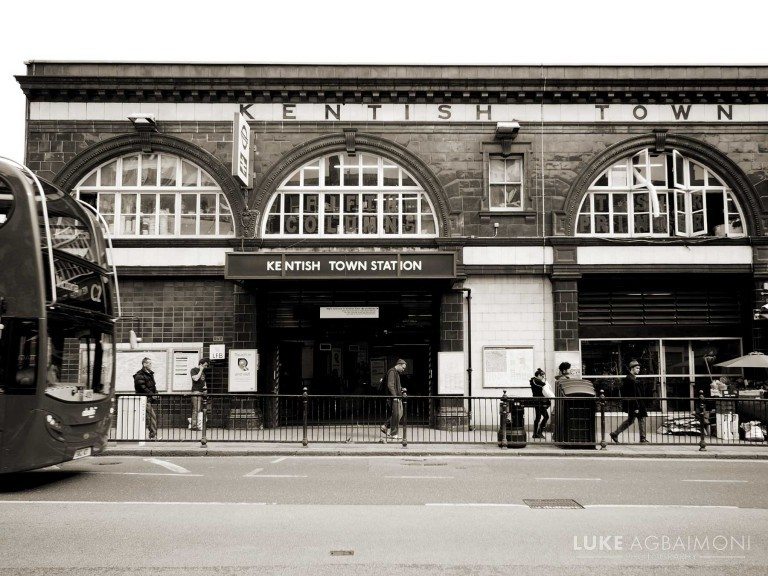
pixel 503 409
pixel 204 430
pixel 304 402
pixel 601 404
pixel 702 415
pixel 405 418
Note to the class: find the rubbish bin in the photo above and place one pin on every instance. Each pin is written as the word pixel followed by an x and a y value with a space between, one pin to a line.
pixel 574 417
pixel 515 426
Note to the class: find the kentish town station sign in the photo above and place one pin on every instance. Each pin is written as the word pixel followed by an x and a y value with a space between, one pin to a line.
pixel 338 265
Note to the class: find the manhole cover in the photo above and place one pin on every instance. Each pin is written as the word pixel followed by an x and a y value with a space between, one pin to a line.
pixel 553 503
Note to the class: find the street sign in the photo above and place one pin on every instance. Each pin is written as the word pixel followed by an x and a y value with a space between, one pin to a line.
pixel 217 352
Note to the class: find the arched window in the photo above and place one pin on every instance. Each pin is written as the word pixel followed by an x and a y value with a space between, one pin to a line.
pixel 341 195
pixel 157 195
pixel 659 194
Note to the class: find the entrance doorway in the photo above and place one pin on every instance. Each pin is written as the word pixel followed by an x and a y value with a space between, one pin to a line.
pixel 348 356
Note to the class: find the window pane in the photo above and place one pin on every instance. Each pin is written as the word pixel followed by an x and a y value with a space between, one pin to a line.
pixel 90 180
pixel 273 225
pixel 659 170
pixel 370 203
pixel 332 171
pixel 148 203
pixel 391 204
pixel 106 203
pixel 128 225
pixel 351 224
pixel 351 203
pixel 721 350
pixel 391 176
pixel 620 224
pixel 619 202
pixel 660 224
pixel 310 203
pixel 370 170
pixel 601 202
pixel 226 225
pixel 332 203
pixel 332 224
pixel 497 171
pixel 149 169
pixel 224 205
pixel 109 174
pixel 294 179
pixel 391 224
pixel 291 224
pixel 87 197
pixel 584 224
pixel 310 224
pixel 407 180
pixel 697 174
pixel 130 170
pixel 205 179
pixel 427 224
pixel 128 203
pixel 370 225
pixel 602 225
pixel 409 224
pixel 207 224
pixel 168 170
pixel 188 225
pixel 148 224
pixel 641 202
pixel 497 196
pixel 619 175
pixel 351 171
pixel 311 176
pixel 292 203
pixel 188 174
pixel 642 224
pixel 514 170
pixel 410 205
pixel 513 196
pixel 167 214
pixel 189 203
pixel 602 180
pixel 676 356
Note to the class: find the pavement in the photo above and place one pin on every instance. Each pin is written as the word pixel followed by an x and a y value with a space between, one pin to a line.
pixel 160 448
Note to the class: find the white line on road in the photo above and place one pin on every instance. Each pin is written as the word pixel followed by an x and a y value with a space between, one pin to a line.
pixel 278 460
pixel 569 479
pixel 131 503
pixel 730 481
pixel 168 465
pixel 144 474
pixel 481 504
pixel 253 472
pixel 277 476
pixel 657 506
pixel 420 477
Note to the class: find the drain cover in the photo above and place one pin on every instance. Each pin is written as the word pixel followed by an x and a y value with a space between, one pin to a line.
pixel 554 503
pixel 342 552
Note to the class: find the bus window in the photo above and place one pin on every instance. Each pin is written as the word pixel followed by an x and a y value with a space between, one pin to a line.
pixel 6 202
pixel 79 362
pixel 19 349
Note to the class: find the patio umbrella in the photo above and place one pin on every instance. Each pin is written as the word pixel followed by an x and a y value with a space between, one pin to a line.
pixel 751 360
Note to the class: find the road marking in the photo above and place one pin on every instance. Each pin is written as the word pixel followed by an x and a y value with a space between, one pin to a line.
pixel 277 476
pixel 145 474
pixel 420 477
pixel 253 472
pixel 130 503
pixel 168 465
pixel 569 479
pixel 657 506
pixel 473 504
pixel 279 460
pixel 730 481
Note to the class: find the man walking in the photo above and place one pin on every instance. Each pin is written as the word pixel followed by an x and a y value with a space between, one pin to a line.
pixel 636 406
pixel 144 384
pixel 199 387
pixel 390 429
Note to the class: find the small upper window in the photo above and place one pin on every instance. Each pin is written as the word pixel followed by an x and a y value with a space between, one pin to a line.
pixel 157 195
pixel 505 183
pixel 659 194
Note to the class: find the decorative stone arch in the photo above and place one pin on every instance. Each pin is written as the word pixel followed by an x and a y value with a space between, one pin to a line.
pixel 106 150
pixel 704 153
pixel 363 143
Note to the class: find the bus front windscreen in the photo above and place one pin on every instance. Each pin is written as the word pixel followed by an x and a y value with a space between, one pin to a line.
pixel 80 362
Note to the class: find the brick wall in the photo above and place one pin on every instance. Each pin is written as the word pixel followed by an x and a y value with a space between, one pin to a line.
pixel 566 311
pixel 452 322
pixel 188 310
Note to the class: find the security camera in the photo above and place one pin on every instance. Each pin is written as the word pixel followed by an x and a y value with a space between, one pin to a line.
pixel 507 130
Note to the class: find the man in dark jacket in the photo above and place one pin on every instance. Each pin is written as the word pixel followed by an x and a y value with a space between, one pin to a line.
pixel 636 405
pixel 144 384
pixel 395 389
pixel 199 388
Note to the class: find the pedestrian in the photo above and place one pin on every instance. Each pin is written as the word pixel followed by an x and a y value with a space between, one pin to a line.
pixel 199 388
pixel 636 393
pixel 538 384
pixel 564 371
pixel 144 384
pixel 395 390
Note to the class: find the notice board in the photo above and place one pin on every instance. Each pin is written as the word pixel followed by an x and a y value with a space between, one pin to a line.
pixel 507 366
pixel 450 373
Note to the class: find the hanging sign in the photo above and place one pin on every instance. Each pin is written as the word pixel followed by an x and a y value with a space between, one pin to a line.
pixel 241 149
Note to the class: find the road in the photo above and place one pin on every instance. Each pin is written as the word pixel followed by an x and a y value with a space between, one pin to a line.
pixel 385 515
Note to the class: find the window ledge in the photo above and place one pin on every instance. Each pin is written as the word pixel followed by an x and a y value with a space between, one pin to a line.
pixel 506 213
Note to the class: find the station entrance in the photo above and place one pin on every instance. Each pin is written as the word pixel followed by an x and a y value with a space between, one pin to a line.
pixel 345 350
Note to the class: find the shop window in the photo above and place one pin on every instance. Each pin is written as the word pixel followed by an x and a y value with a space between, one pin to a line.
pixel 505 183
pixel 157 195
pixel 664 194
pixel 342 195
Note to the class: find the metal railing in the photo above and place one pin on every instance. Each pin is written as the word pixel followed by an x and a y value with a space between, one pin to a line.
pixel 509 421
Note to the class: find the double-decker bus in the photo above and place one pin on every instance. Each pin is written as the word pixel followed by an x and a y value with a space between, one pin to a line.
pixel 56 325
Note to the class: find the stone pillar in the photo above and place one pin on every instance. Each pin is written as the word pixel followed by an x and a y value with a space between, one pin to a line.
pixel 449 413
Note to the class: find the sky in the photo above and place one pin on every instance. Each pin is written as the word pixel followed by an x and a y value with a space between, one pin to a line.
pixel 371 32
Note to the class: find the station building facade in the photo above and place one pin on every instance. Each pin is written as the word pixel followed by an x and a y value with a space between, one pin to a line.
pixel 479 222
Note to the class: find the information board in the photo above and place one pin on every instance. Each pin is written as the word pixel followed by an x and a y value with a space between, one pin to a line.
pixel 450 373
pixel 128 362
pixel 507 366
pixel 183 362
pixel 243 365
